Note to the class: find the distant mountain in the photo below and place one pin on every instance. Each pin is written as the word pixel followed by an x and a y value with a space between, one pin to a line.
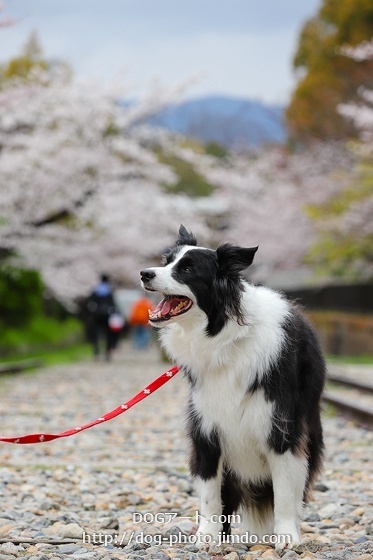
pixel 231 122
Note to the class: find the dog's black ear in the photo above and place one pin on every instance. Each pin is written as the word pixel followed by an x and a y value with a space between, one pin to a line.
pixel 233 260
pixel 185 238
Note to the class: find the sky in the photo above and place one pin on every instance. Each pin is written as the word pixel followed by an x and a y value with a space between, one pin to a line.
pixel 240 48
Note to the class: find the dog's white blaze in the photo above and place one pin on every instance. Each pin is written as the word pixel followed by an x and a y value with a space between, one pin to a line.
pixel 166 284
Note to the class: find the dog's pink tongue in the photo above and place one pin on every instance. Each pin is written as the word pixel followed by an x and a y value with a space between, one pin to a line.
pixel 169 307
pixel 163 307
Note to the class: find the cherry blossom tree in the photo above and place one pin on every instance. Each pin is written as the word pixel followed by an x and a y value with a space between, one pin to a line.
pixel 268 195
pixel 81 191
pixel 83 188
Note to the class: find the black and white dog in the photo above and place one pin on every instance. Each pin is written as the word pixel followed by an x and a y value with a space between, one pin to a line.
pixel 256 374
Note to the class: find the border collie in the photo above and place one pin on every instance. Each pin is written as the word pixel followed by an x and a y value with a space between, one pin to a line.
pixel 256 374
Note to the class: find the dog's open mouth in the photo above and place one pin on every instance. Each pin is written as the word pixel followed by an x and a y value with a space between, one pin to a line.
pixel 170 306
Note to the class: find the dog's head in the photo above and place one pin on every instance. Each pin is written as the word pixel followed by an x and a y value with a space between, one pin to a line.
pixel 196 279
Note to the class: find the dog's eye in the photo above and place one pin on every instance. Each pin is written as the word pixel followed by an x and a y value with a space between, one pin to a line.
pixel 186 269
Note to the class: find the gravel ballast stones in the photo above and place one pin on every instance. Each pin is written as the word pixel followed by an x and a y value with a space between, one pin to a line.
pixel 122 490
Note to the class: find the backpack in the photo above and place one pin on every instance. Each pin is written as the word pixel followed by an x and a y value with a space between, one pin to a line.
pixel 100 306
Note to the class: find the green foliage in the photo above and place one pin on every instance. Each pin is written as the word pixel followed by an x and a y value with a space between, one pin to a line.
pixel 30 59
pixel 329 78
pixel 340 256
pixel 24 325
pixel 328 410
pixel 359 191
pixel 70 354
pixel 20 296
pixel 211 148
pixel 21 66
pixel 351 360
pixel 39 334
pixel 343 249
pixel 189 181
pixel 30 62
pixel 215 149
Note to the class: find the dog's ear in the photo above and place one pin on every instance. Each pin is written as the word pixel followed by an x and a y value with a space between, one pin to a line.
pixel 233 260
pixel 185 238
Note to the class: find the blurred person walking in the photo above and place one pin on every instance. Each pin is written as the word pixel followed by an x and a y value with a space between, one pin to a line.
pixel 139 322
pixel 100 307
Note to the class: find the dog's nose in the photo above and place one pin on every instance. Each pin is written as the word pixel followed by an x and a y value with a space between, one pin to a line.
pixel 147 274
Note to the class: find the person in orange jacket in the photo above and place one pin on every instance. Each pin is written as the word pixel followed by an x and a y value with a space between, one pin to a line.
pixel 139 322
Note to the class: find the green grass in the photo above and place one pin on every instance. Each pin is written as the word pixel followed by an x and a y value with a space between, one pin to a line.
pixel 328 410
pixel 364 359
pixel 40 333
pixel 69 354
pixel 189 182
pixel 50 340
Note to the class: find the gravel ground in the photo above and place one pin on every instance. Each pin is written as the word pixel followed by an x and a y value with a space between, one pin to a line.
pixel 114 491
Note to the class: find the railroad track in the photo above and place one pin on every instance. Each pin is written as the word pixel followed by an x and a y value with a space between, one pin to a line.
pixel 352 397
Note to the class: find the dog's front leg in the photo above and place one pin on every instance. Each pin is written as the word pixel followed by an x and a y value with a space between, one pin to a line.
pixel 289 475
pixel 210 507
pixel 207 467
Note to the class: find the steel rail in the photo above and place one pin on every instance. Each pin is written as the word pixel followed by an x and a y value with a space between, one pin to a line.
pixel 359 411
pixel 348 382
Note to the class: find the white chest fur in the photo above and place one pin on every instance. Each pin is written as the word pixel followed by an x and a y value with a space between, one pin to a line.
pixel 223 368
pixel 242 420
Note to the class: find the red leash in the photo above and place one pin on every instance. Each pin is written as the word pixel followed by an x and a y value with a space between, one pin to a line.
pixel 151 388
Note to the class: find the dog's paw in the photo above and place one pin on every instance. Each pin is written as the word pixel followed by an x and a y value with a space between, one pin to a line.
pixel 281 546
pixel 203 541
pixel 287 538
pixel 208 533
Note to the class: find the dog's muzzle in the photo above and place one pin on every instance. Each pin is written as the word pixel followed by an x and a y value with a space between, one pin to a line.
pixel 147 276
pixel 171 305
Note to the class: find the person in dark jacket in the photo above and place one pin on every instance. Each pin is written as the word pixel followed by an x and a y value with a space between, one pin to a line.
pixel 100 305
